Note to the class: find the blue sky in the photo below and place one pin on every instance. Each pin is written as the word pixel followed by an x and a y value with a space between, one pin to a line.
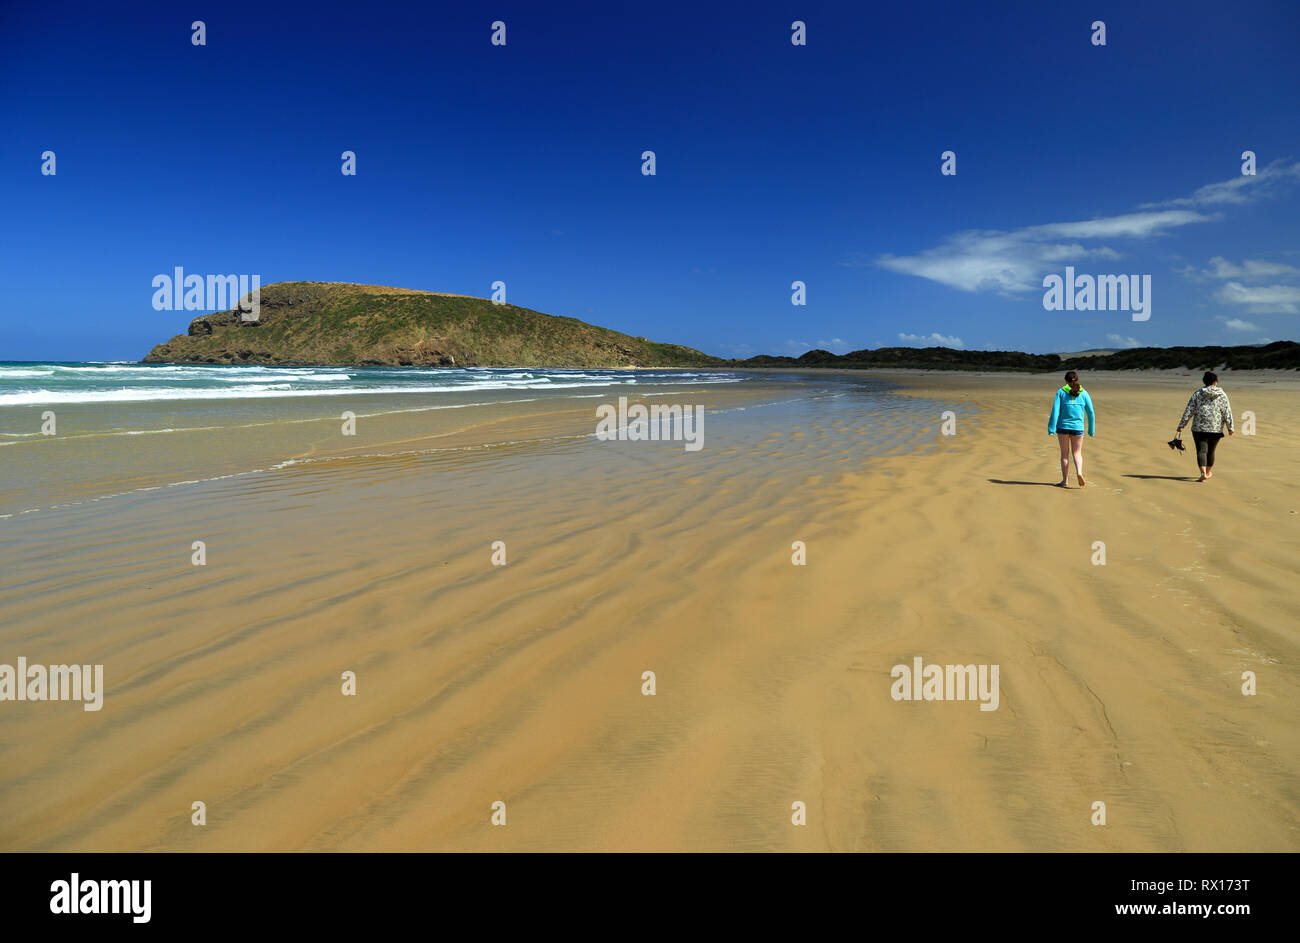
pixel 775 163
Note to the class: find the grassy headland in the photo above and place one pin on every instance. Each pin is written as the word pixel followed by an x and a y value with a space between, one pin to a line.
pixel 330 323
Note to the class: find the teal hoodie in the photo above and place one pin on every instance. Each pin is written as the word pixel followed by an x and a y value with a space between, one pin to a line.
pixel 1069 412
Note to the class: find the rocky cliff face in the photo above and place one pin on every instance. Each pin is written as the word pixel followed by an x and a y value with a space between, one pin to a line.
pixel 328 323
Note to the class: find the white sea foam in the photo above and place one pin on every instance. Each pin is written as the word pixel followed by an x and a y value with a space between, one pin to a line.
pixel 279 390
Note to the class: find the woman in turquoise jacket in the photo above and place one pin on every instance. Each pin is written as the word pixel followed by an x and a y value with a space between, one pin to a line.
pixel 1071 414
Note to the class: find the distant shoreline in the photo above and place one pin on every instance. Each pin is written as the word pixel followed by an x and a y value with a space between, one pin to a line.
pixel 912 373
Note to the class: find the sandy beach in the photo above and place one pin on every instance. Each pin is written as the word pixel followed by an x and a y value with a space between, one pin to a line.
pixel 477 683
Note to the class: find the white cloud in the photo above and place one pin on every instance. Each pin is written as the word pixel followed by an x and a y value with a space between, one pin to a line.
pixel 1239 189
pixel 835 345
pixel 1130 225
pixel 991 260
pixel 1236 324
pixel 1014 261
pixel 1119 341
pixel 932 340
pixel 1249 268
pixel 1261 299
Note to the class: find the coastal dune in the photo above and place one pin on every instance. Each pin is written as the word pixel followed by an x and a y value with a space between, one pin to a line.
pixel 522 683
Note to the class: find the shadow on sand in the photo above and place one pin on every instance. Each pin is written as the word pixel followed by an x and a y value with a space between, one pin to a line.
pixel 1045 484
pixel 1052 484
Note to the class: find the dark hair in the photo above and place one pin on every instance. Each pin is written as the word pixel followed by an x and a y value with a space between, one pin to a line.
pixel 1210 378
pixel 1071 377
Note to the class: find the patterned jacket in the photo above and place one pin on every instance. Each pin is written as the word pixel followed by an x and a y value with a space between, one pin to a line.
pixel 1208 409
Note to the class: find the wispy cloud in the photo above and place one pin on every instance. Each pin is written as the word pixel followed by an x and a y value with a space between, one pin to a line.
pixel 740 351
pixel 835 345
pixel 1261 299
pixel 1236 324
pixel 1013 261
pixel 1129 225
pixel 1239 189
pixel 1120 341
pixel 933 340
pixel 1248 269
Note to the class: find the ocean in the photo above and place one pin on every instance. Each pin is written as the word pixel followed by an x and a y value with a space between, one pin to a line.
pixel 73 433
pixel 42 384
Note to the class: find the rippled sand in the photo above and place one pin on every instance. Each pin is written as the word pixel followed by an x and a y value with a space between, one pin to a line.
pixel 478 683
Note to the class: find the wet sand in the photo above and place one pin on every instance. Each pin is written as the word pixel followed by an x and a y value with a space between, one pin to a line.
pixel 522 683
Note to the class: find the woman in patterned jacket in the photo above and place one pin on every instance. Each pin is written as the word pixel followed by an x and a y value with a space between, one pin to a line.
pixel 1210 413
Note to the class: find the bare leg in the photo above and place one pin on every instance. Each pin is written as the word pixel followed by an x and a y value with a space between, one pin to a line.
pixel 1065 458
pixel 1202 459
pixel 1076 445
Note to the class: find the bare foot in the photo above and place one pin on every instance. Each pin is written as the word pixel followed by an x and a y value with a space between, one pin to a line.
pixel 1209 474
pixel 1062 484
pixel 1082 483
pixel 1202 478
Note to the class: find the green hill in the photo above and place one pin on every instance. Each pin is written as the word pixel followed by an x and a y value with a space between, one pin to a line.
pixel 912 358
pixel 1279 355
pixel 332 323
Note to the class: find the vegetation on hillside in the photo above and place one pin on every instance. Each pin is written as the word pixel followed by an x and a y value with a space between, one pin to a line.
pixel 327 323
pixel 921 358
pixel 1281 355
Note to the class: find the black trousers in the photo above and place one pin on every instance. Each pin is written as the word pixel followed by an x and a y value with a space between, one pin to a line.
pixel 1206 442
